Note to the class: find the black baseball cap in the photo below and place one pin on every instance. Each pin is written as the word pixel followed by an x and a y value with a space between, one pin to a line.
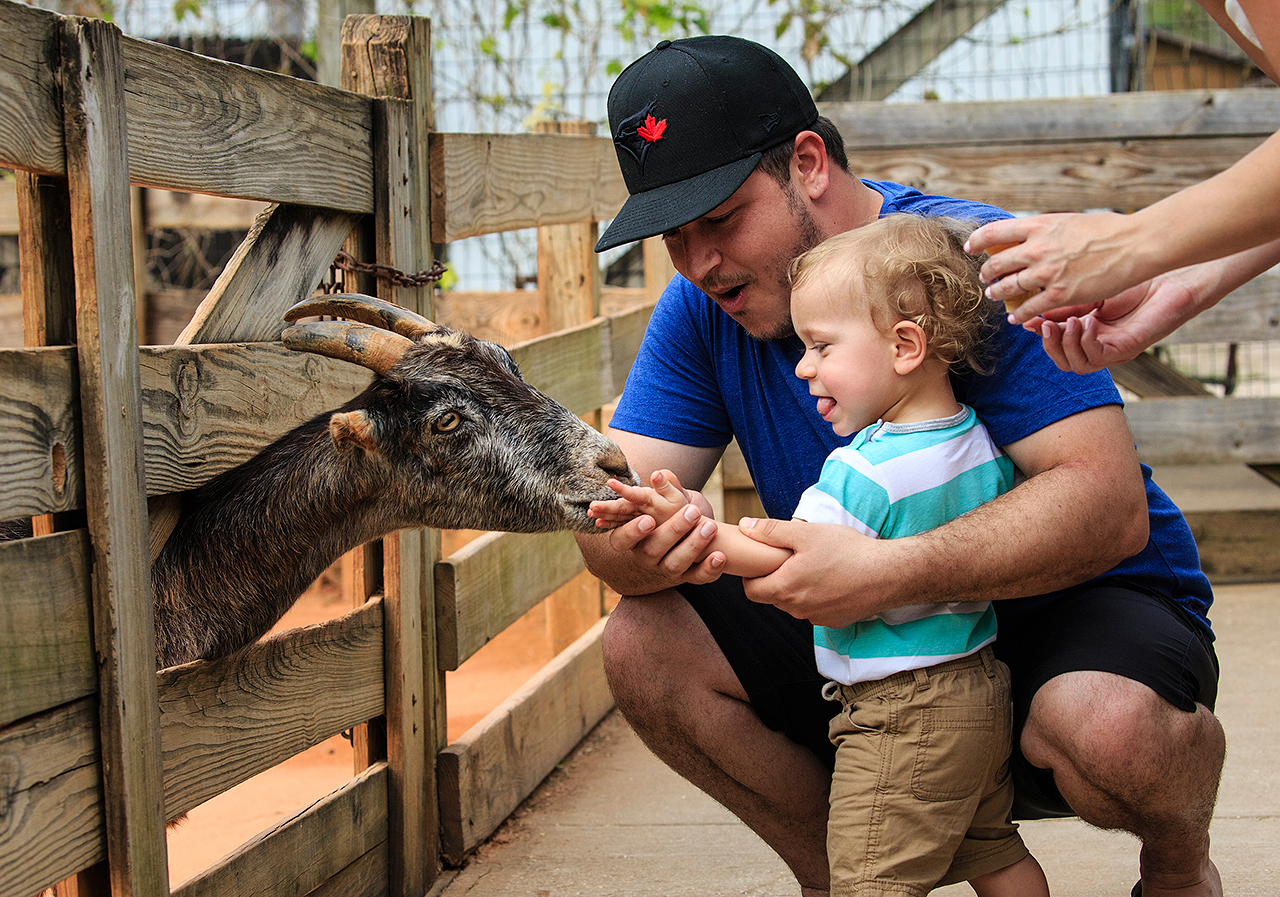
pixel 689 120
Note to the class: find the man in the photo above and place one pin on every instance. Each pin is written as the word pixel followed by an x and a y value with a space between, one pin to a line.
pixel 724 154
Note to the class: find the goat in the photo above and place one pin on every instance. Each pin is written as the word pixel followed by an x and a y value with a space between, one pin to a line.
pixel 447 435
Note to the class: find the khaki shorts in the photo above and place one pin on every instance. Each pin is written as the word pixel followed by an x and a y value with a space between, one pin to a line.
pixel 921 794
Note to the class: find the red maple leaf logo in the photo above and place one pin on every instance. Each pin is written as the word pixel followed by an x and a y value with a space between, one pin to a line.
pixel 652 130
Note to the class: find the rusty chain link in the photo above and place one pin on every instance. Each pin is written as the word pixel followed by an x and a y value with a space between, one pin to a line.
pixel 347 264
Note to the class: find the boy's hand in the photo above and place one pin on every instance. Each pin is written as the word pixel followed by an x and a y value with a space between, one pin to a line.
pixel 661 501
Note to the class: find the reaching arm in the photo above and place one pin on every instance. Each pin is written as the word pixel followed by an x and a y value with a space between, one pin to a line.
pixel 1088 339
pixel 1081 259
pixel 1081 510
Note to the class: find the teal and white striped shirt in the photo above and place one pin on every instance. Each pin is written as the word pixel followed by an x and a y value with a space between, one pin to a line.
pixel 895 480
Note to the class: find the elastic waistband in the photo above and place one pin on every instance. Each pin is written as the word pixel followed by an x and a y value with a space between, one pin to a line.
pixel 861 691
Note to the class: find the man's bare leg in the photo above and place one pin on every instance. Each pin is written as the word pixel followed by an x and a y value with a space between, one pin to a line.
pixel 682 698
pixel 1124 758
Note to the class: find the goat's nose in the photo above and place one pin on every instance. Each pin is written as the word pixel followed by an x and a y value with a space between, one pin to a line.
pixel 614 463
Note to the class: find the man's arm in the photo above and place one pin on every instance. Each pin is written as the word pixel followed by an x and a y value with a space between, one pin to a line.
pixel 641 556
pixel 1081 510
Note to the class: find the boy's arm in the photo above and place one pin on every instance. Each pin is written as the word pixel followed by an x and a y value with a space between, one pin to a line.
pixel 743 556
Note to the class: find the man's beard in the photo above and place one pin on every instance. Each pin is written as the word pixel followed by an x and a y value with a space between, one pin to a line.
pixel 808 235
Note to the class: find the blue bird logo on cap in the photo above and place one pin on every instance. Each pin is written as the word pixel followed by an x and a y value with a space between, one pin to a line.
pixel 638 132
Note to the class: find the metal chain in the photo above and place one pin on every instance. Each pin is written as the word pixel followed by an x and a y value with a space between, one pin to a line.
pixel 347 264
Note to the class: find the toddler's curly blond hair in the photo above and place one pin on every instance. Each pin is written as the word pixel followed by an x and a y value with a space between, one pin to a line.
pixel 906 267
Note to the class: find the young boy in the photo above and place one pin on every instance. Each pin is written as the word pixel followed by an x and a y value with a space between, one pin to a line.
pixel 921 794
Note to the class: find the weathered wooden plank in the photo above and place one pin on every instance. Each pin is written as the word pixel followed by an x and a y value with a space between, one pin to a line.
pixel 1150 378
pixel 568 277
pixel 171 209
pixel 1111 117
pixel 481 183
pixel 209 408
pixel 202 125
pixel 31 117
pixel 505 317
pixel 489 583
pixel 46 259
pixel 115 491
pixel 304 851
pixel 497 763
pixel 46 639
pixel 1237 545
pixel 51 824
pixel 401 241
pixel 281 261
pixel 389 56
pixel 8 207
pixel 409 707
pixel 568 365
pixel 366 877
pixel 1055 177
pixel 206 409
pixel 224 721
pixel 41 466
pixel 626 330
pixel 1206 431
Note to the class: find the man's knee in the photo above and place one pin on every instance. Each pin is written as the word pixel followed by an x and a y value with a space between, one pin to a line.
pixel 1108 725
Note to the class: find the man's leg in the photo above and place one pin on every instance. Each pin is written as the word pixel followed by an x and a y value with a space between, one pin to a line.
pixel 1125 758
pixel 676 689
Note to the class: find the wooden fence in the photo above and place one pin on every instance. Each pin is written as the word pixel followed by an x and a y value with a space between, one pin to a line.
pixel 96 750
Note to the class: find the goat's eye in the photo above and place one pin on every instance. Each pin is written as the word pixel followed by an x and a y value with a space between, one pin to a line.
pixel 447 422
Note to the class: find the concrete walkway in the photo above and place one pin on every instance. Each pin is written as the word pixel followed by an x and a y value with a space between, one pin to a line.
pixel 613 821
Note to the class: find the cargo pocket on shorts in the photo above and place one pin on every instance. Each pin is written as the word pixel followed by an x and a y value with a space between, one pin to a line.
pixel 956 752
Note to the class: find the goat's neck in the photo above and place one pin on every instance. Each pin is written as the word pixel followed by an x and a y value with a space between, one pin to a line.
pixel 250 541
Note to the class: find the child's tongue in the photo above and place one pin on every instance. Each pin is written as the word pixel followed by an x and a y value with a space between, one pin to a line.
pixel 825 404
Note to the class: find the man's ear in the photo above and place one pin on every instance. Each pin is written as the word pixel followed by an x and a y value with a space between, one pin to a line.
pixel 352 429
pixel 910 347
pixel 810 165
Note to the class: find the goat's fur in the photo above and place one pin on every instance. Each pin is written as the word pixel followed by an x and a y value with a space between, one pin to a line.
pixel 448 436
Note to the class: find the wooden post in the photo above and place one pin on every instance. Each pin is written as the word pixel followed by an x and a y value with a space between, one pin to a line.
pixel 115 488
pixel 569 294
pixel 48 284
pixel 658 269
pixel 389 56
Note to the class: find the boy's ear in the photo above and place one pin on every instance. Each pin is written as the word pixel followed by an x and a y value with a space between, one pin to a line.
pixel 910 347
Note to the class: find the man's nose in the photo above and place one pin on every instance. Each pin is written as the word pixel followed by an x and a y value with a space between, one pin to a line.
pixel 692 255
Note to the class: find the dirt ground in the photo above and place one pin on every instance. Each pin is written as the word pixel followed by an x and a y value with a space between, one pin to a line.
pixel 220 825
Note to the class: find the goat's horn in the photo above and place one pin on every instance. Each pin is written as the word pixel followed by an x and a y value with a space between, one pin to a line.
pixel 370 347
pixel 367 310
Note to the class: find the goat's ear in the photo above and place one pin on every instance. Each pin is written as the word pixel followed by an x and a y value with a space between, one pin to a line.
pixel 351 429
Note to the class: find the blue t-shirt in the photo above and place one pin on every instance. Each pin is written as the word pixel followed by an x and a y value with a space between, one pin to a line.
pixel 701 380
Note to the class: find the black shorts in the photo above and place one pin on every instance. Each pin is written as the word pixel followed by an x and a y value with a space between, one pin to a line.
pixel 1109 628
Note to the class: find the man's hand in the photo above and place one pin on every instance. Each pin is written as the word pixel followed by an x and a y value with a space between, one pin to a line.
pixel 665 529
pixel 832 579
